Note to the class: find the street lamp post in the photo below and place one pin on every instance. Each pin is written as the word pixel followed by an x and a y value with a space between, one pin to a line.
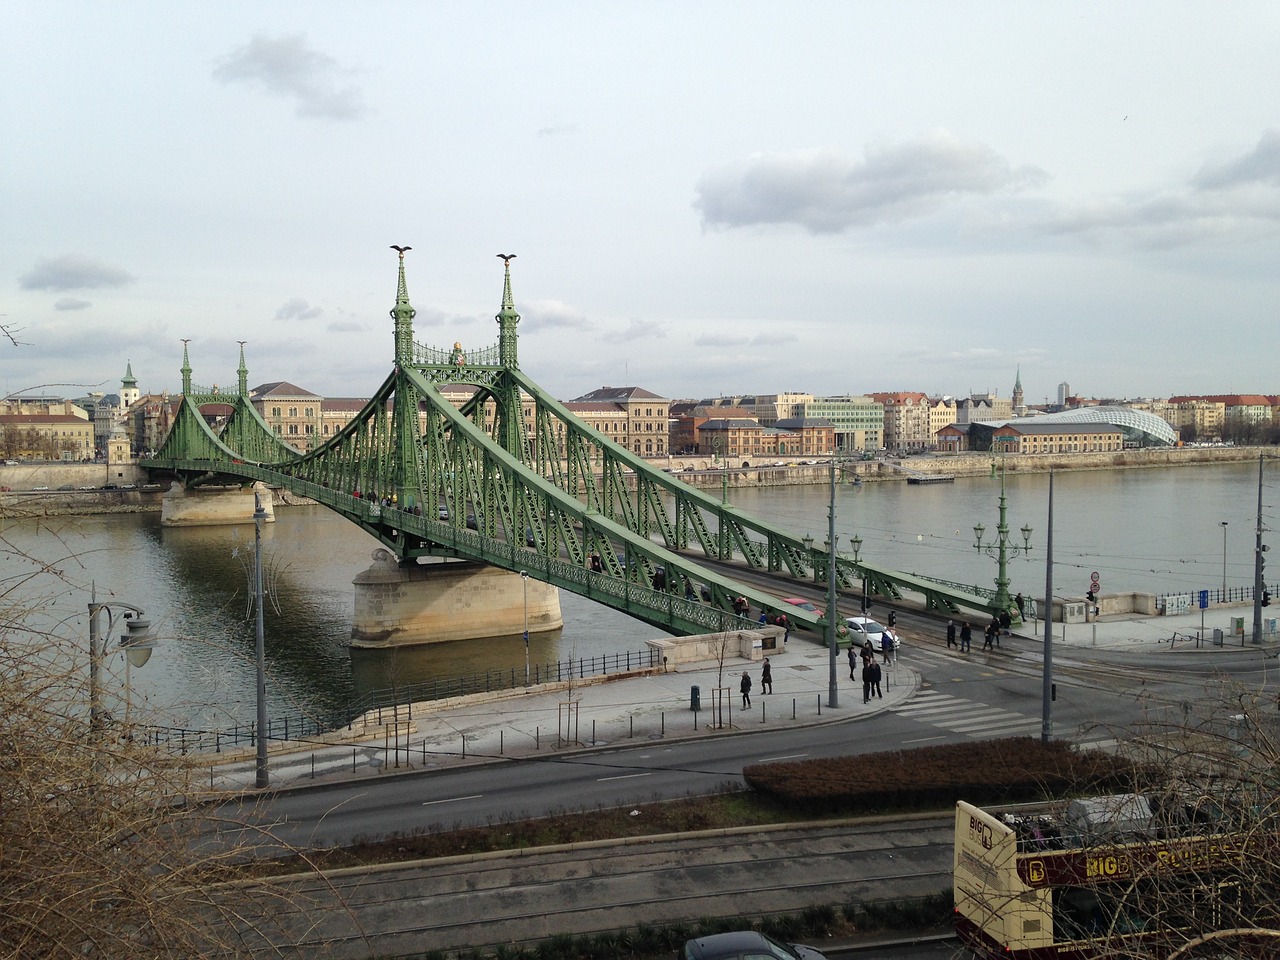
pixel 138 631
pixel 524 582
pixel 261 776
pixel 833 685
pixel 1222 597
pixel 1002 551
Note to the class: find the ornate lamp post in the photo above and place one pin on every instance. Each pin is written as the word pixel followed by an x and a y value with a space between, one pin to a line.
pixel 524 582
pixel 1002 551
pixel 135 641
pixel 1222 597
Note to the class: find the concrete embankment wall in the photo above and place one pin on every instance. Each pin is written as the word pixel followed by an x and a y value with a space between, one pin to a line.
pixel 21 478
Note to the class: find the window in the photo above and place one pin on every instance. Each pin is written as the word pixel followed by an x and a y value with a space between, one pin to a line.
pixel 310 411
pixel 293 429
pixel 275 411
pixel 293 411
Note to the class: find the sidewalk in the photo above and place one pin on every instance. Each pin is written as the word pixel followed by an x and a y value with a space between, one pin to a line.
pixel 597 712
pixel 626 709
pixel 1177 633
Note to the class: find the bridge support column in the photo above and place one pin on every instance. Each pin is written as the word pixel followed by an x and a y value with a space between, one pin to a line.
pixel 434 602
pixel 212 506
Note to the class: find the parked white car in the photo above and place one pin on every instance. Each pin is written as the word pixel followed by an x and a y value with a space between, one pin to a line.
pixel 862 629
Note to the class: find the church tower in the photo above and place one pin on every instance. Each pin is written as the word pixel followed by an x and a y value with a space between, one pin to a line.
pixel 1019 404
pixel 129 392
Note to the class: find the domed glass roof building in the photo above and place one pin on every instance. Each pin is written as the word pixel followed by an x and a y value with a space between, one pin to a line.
pixel 1138 426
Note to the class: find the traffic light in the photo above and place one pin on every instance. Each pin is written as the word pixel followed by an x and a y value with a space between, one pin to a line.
pixel 1266 598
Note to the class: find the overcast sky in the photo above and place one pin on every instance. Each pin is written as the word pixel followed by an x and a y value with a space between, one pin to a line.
pixel 705 198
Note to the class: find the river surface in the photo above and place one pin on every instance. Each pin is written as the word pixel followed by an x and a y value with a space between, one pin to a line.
pixel 1153 530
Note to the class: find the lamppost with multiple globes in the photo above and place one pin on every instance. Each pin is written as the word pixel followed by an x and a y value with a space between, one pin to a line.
pixel 1002 551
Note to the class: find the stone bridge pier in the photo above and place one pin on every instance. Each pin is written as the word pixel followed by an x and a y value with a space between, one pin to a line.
pixel 415 603
pixel 211 506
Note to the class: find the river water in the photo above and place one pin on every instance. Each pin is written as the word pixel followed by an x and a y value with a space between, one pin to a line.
pixel 1154 530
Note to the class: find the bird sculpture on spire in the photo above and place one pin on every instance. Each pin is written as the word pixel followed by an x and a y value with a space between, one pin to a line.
pixel 400 250
pixel 507 257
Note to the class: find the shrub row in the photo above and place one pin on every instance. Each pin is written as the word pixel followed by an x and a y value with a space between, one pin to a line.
pixel 1013 770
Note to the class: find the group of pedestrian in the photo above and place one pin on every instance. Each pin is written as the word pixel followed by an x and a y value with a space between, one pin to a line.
pixel 766 682
pixel 965 636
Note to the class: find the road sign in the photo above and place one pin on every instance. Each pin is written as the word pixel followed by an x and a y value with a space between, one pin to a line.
pixel 1093 577
pixel 1204 599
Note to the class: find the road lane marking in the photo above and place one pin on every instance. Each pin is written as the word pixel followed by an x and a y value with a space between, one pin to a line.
pixel 923 739
pixel 793 756
pixel 474 796
pixel 625 776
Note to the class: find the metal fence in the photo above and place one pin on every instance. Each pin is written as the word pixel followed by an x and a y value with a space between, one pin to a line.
pixel 298 725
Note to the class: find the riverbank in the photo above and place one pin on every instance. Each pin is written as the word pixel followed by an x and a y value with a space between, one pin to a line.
pixel 20 496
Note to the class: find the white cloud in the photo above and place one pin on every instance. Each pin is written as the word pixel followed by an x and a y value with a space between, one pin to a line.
pixel 287 67
pixel 71 303
pixel 828 191
pixel 73 271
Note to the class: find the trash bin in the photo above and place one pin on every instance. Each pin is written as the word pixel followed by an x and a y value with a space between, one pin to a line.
pixel 1217 636
pixel 695 698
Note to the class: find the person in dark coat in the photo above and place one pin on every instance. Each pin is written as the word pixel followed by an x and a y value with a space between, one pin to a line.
pixel 853 663
pixel 766 677
pixel 951 633
pixel 745 687
pixel 866 680
pixel 966 636
pixel 875 680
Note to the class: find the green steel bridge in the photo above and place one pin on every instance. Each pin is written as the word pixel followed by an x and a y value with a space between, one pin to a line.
pixel 512 479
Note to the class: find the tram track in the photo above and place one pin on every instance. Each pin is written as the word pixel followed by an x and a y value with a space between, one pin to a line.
pixel 590 888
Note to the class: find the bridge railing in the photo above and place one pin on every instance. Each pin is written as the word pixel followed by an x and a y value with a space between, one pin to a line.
pixel 374 704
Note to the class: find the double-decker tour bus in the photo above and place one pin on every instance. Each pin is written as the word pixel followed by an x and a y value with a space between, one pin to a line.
pixel 1102 877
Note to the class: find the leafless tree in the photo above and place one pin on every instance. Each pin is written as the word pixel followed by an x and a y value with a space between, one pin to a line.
pixel 101 852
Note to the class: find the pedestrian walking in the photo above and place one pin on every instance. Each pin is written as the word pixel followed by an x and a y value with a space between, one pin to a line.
pixel 886 646
pixel 966 635
pixel 951 633
pixel 853 663
pixel 875 680
pixel 1021 609
pixel 1006 622
pixel 866 680
pixel 745 687
pixel 766 677
pixel 868 653
pixel 986 637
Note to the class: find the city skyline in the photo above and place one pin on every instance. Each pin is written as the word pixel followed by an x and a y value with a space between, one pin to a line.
pixel 838 198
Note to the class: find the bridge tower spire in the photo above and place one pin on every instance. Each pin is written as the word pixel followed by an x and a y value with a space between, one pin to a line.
pixel 243 372
pixel 186 369
pixel 507 318
pixel 403 313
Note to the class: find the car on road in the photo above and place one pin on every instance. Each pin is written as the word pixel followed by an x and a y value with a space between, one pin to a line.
pixel 803 604
pixel 744 945
pixel 42 487
pixel 863 629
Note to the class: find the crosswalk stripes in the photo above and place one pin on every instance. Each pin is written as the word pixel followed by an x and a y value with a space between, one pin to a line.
pixel 969 717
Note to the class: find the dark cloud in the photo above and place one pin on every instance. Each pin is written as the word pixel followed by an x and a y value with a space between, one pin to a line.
pixel 298 309
pixel 636 330
pixel 552 314
pixel 826 191
pixel 72 271
pixel 288 67
pixel 71 303
pixel 1261 165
